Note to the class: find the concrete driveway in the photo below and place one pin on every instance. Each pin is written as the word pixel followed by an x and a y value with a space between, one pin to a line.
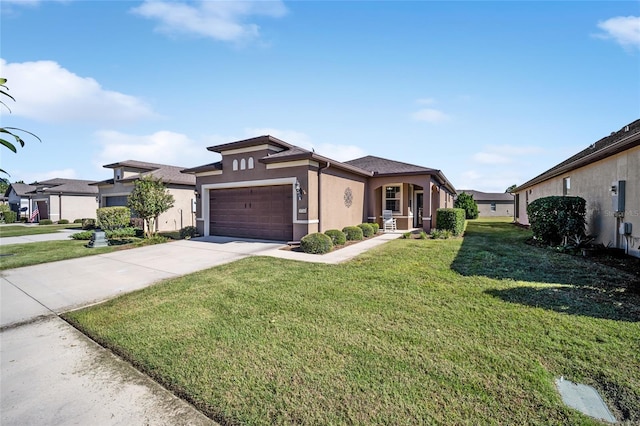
pixel 54 375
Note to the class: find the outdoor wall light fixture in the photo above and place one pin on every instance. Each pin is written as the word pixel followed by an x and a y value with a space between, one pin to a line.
pixel 197 193
pixel 299 190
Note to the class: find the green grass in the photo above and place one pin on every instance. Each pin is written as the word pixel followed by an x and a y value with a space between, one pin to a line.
pixel 19 255
pixel 19 230
pixel 460 331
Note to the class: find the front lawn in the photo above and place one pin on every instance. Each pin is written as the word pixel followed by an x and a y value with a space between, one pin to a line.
pixel 20 230
pixel 19 255
pixel 460 331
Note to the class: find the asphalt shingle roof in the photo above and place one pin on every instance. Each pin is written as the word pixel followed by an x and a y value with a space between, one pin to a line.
pixel 383 166
pixel 168 174
pixel 487 196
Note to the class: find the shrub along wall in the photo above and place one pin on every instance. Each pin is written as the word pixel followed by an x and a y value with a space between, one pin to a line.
pixel 451 220
pixel 113 217
pixel 555 218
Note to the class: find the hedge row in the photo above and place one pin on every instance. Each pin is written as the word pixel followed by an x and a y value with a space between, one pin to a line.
pixel 451 220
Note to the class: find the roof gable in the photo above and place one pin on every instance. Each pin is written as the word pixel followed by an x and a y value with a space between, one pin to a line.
pixel 383 166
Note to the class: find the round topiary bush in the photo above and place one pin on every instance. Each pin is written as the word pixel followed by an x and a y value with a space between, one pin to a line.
pixel 63 222
pixel 337 236
pixel 353 233
pixel 316 243
pixel 45 222
pixel 77 221
pixel 367 229
pixel 375 227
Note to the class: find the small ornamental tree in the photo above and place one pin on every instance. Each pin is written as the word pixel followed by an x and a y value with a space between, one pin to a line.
pixel 465 201
pixel 148 200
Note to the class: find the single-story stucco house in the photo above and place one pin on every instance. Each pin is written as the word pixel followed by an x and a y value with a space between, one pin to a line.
pixel 267 188
pixel 54 199
pixel 492 204
pixel 607 175
pixel 114 192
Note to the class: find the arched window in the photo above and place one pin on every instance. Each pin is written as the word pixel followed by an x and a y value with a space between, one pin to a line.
pixel 235 165
pixel 251 162
pixel 243 164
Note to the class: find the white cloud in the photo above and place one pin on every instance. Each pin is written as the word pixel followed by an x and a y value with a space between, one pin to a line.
pixel 430 115
pixel 504 154
pixel 52 174
pixel 219 20
pixel 489 181
pixel 162 147
pixel 45 91
pixel 624 30
pixel 334 151
pixel 490 158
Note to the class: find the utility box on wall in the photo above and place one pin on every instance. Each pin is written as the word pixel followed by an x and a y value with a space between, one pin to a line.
pixel 625 228
pixel 618 198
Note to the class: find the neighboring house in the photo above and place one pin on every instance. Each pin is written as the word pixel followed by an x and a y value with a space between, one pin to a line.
pixel 266 188
pixel 55 199
pixel 114 192
pixel 492 204
pixel 607 176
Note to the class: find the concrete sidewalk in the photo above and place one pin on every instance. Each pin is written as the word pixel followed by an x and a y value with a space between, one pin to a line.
pixel 53 375
pixel 63 234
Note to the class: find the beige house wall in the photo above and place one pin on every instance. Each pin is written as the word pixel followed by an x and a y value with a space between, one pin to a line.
pixel 593 183
pixel 503 209
pixel 335 213
pixel 78 207
pixel 175 218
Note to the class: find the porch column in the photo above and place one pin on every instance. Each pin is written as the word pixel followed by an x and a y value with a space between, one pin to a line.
pixel 426 207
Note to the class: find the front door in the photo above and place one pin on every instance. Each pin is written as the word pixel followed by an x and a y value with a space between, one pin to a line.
pixel 417 219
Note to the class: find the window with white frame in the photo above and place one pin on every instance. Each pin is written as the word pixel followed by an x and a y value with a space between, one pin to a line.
pixel 493 207
pixel 566 186
pixel 392 196
pixel 243 164
pixel 251 165
pixel 235 165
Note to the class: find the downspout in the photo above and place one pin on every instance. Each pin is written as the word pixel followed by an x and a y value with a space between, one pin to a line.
pixel 59 206
pixel 320 195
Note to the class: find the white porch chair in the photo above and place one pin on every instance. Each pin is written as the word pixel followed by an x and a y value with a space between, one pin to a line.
pixel 388 221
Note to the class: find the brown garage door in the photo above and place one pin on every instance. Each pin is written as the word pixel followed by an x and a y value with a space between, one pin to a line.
pixel 263 212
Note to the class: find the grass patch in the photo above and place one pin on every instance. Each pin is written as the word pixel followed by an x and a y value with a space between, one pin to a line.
pixel 411 332
pixel 19 230
pixel 19 255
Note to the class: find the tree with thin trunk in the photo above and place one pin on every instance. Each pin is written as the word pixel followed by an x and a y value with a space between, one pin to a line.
pixel 148 200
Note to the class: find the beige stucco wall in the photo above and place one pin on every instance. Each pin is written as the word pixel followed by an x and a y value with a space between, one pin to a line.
pixel 593 183
pixel 334 212
pixel 78 207
pixel 174 219
pixel 503 208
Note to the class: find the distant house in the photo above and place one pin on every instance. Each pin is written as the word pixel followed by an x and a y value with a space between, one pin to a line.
pixel 492 204
pixel 607 175
pixel 267 188
pixel 55 199
pixel 114 192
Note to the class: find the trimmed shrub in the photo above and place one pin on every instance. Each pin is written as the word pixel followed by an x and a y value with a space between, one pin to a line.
pixel 7 215
pixel 375 226
pixel 78 221
pixel 406 236
pixel 63 222
pixel 465 201
pixel 88 223
pixel 556 218
pixel 110 218
pixel 423 235
pixel 84 235
pixel 353 233
pixel 337 236
pixel 188 232
pixel 440 234
pixel 121 233
pixel 45 222
pixel 367 229
pixel 451 220
pixel 316 243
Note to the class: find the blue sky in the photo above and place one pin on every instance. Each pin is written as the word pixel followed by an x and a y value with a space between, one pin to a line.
pixel 491 93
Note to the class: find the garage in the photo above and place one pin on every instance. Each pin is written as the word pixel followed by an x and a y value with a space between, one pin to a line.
pixel 262 212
